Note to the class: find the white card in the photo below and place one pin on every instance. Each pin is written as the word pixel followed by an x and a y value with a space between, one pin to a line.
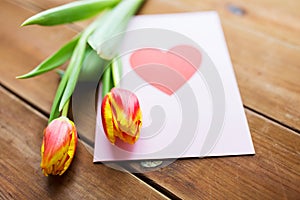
pixel 179 67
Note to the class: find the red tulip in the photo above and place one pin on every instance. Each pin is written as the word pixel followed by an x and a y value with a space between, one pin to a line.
pixel 121 116
pixel 59 145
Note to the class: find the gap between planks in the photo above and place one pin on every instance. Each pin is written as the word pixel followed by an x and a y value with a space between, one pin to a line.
pixel 35 7
pixel 141 177
pixel 147 182
pixel 46 114
pixel 272 120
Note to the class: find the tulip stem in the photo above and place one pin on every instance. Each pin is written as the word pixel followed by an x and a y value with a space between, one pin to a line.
pixel 65 109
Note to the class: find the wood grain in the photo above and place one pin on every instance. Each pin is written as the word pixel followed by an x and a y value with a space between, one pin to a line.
pixel 273 173
pixel 21 130
pixel 264 50
pixel 264 47
pixel 22 49
pixel 269 82
pixel 274 18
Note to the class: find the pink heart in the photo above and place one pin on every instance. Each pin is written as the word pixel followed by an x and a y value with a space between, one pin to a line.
pixel 167 71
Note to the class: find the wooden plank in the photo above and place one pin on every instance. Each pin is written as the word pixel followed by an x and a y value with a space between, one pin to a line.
pixel 264 47
pixel 273 173
pixel 22 49
pixel 21 178
pixel 267 73
pixel 274 18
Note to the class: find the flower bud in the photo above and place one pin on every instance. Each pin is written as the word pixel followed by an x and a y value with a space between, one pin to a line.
pixel 121 116
pixel 58 147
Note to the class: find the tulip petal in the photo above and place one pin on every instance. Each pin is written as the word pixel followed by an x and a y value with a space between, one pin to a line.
pixel 58 147
pixel 71 152
pixel 121 116
pixel 107 119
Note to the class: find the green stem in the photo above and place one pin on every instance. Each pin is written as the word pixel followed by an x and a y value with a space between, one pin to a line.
pixel 65 109
pixel 107 84
pixel 76 61
pixel 116 67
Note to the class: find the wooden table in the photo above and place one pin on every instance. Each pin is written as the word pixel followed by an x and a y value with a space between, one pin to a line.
pixel 264 42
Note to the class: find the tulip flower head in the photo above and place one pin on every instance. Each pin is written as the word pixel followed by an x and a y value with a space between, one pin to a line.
pixel 58 147
pixel 121 116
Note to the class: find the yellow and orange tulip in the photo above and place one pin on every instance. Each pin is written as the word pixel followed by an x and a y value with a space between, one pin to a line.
pixel 121 116
pixel 58 147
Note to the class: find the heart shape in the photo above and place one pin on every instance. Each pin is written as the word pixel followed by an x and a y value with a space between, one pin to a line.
pixel 166 70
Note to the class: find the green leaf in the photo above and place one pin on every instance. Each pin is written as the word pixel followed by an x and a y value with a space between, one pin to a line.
pixel 70 12
pixel 116 67
pixel 53 61
pixel 76 61
pixel 55 111
pixel 104 39
pixel 92 66
pixel 59 92
pixel 60 72
pixel 75 64
pixel 107 83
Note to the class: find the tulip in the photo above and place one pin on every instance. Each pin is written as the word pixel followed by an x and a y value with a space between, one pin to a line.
pixel 58 147
pixel 121 116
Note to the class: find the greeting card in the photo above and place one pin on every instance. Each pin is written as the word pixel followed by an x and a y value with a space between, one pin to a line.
pixel 179 67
